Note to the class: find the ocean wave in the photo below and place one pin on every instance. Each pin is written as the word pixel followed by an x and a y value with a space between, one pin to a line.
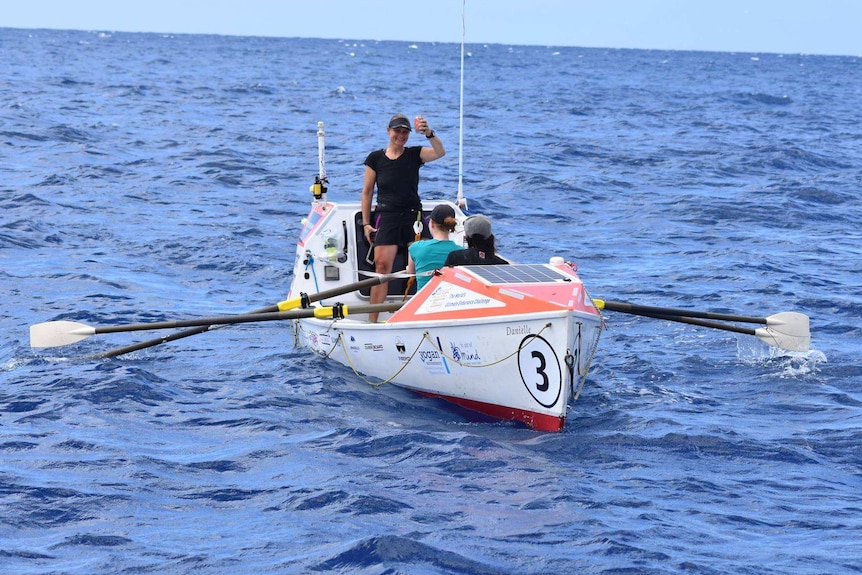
pixel 392 551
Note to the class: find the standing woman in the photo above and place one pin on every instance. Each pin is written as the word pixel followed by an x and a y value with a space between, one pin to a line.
pixel 394 170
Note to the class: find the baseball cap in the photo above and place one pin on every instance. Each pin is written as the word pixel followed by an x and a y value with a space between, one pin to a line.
pixel 477 226
pixel 441 212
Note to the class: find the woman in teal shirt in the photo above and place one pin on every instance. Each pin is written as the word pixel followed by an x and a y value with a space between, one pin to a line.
pixel 425 256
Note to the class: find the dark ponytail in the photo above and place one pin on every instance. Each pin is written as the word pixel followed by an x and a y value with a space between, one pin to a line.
pixel 482 244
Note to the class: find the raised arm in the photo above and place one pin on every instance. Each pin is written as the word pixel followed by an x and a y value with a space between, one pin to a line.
pixel 436 151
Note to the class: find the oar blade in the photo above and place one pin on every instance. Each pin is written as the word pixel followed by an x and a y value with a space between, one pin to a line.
pixel 788 330
pixel 57 333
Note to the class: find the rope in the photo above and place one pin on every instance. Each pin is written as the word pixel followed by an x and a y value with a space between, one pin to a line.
pixel 586 369
pixel 426 336
pixel 501 360
pixel 396 275
pixel 356 372
pixel 390 378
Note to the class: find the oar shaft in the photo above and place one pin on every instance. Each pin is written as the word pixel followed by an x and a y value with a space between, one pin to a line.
pixel 281 306
pixel 324 312
pixel 701 322
pixel 356 286
pixel 334 292
pixel 168 338
pixel 651 311
pixel 785 330
pixel 151 342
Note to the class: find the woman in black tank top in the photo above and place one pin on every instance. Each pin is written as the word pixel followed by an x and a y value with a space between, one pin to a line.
pixel 394 172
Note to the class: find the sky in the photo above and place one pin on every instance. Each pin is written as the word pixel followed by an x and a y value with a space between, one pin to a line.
pixel 828 27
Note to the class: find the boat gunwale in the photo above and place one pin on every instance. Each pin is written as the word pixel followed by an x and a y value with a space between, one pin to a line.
pixel 562 313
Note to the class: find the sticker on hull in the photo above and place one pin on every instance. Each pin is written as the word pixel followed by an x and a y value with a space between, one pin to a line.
pixel 448 297
pixel 466 353
pixel 433 359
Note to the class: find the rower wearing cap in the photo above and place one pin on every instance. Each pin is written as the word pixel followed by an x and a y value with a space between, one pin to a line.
pixel 480 245
pixel 428 255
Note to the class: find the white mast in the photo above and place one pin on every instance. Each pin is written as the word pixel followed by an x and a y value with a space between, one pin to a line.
pixel 462 201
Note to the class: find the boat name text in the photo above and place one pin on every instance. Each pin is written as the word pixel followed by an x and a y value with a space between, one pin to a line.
pixel 519 330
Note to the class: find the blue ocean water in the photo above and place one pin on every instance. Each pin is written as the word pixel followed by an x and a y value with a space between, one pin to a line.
pixel 153 177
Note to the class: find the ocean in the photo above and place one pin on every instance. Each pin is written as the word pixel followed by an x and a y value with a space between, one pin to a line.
pixel 149 177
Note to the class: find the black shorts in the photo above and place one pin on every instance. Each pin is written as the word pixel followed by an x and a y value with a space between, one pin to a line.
pixel 395 228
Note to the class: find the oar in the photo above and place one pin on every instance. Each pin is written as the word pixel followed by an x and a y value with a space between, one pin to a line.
pixel 304 299
pixel 57 333
pixel 281 306
pixel 786 330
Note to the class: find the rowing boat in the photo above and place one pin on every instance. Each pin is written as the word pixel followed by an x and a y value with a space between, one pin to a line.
pixel 509 341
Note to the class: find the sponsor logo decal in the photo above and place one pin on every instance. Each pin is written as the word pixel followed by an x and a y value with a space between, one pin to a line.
pixel 353 346
pixel 401 350
pixel 319 341
pixel 433 359
pixel 466 353
pixel 448 297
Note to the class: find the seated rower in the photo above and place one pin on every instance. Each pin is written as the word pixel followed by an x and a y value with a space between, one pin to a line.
pixel 425 256
pixel 480 245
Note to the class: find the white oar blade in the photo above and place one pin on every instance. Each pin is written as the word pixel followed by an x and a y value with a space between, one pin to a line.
pixel 57 333
pixel 788 330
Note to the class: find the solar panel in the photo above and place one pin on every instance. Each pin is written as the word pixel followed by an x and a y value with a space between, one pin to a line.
pixel 519 274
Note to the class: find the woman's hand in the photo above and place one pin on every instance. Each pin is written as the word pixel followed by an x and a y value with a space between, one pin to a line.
pixel 370 231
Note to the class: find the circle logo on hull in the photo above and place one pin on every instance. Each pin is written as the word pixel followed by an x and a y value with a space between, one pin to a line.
pixel 540 370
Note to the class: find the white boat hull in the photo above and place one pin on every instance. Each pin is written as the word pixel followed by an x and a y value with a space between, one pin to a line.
pixel 514 344
pixel 519 368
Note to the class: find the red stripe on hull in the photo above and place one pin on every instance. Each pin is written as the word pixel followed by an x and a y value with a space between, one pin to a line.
pixel 537 421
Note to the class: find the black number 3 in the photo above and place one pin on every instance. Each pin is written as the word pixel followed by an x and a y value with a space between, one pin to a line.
pixel 541 371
